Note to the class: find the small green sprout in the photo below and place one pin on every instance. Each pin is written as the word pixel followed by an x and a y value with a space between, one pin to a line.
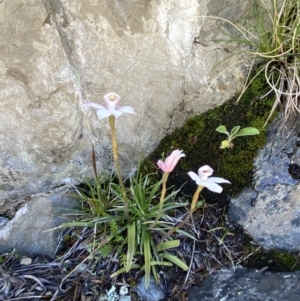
pixel 235 132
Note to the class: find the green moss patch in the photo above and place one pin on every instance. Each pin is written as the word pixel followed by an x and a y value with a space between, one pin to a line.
pixel 276 261
pixel 201 143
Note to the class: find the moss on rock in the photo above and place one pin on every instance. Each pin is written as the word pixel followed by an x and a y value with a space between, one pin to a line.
pixel 201 143
pixel 275 260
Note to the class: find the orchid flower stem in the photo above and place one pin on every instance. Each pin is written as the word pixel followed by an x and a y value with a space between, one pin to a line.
pixel 192 209
pixel 116 160
pixel 162 197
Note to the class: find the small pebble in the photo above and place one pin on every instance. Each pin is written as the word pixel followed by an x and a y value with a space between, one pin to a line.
pixel 123 294
pixel 123 291
pixel 26 261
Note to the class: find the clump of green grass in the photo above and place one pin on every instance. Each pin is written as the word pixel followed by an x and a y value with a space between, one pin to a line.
pixel 130 219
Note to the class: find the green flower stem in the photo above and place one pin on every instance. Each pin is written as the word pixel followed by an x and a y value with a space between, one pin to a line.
pixel 116 160
pixel 162 197
pixel 193 207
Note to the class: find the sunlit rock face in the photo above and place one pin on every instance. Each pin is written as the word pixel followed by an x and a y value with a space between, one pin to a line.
pixel 55 55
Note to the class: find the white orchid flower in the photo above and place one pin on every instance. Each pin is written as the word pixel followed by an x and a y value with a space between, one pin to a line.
pixel 203 179
pixel 112 101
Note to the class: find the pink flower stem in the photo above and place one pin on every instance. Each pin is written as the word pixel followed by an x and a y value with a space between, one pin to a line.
pixel 162 197
pixel 116 160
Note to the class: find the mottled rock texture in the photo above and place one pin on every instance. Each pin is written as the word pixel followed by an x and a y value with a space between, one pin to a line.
pixel 152 293
pixel 57 54
pixel 248 285
pixel 270 210
pixel 33 229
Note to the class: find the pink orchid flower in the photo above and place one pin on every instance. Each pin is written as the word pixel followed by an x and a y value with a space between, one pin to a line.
pixel 169 164
pixel 202 179
pixel 112 103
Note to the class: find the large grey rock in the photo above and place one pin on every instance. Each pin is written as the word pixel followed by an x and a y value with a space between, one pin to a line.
pixel 57 54
pixel 248 285
pixel 29 231
pixel 270 210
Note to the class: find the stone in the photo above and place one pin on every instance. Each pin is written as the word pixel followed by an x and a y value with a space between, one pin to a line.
pixel 248 285
pixel 124 298
pixel 3 221
pixel 152 293
pixel 269 211
pixel 30 230
pixel 57 54
pixel 124 294
pixel 26 261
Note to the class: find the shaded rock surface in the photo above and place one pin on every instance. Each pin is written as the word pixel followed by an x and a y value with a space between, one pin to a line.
pixel 270 210
pixel 248 285
pixel 152 293
pixel 29 231
pixel 55 55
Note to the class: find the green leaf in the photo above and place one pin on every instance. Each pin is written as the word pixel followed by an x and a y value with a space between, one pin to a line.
pixel 222 129
pixel 234 130
pixel 247 132
pixel 224 144
pixel 147 258
pixel 215 229
pixel 154 263
pixel 123 270
pixel 154 273
pixel 175 260
pixel 168 245
pixel 131 245
pixel 200 203
pixel 139 229
pixel 165 263
pixel 186 234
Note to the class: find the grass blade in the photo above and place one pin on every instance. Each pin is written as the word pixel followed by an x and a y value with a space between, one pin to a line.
pixel 131 245
pixel 175 260
pixel 123 270
pixel 168 245
pixel 147 257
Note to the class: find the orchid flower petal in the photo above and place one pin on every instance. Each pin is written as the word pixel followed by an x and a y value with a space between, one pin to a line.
pixel 212 186
pixel 161 165
pixel 103 113
pixel 173 159
pixel 116 113
pixel 194 176
pixel 203 180
pixel 169 164
pixel 93 105
pixel 112 100
pixel 127 109
pixel 204 172
pixel 217 180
